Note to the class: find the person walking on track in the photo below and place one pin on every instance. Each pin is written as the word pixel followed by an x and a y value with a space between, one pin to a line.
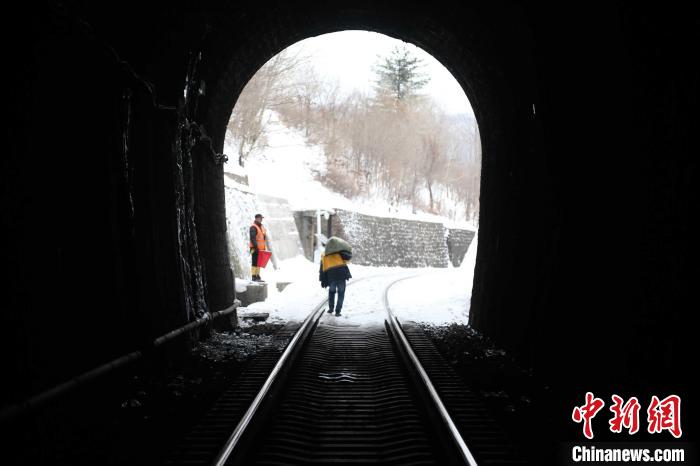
pixel 334 271
pixel 258 242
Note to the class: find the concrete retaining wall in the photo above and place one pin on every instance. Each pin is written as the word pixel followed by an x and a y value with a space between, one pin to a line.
pixel 380 241
pixel 241 207
pixel 458 241
pixel 282 233
pixel 383 241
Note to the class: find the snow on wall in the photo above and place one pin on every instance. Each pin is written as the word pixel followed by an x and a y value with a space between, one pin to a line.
pixel 284 241
pixel 241 208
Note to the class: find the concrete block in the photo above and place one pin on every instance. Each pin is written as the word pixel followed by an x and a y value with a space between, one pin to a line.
pixel 254 293
pixel 252 315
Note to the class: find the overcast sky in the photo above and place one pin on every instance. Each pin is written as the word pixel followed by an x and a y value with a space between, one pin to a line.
pixel 349 57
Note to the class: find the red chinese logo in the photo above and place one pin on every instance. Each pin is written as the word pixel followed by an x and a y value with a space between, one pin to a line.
pixel 661 415
pixel 626 415
pixel 665 415
pixel 587 412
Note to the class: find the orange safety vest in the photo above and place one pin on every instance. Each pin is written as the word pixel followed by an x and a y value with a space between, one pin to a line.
pixel 259 237
pixel 332 260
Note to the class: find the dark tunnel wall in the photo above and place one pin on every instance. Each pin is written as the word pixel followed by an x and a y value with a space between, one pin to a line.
pixel 98 209
pixel 571 261
pixel 586 119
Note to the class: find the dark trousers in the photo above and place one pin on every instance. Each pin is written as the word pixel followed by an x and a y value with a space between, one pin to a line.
pixel 334 286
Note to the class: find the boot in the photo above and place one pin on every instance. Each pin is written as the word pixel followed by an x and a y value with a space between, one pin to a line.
pixel 330 311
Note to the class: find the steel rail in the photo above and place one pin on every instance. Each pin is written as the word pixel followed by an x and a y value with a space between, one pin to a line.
pixel 235 437
pixel 395 325
pixel 299 337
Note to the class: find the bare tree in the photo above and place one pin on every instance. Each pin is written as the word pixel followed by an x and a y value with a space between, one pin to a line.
pixel 394 144
pixel 433 164
pixel 271 88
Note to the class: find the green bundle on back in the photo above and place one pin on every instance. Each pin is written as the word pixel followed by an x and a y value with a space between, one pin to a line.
pixel 335 244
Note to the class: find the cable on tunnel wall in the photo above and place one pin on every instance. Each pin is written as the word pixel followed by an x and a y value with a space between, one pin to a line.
pixel 13 411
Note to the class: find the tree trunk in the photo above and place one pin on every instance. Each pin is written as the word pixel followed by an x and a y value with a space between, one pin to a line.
pixel 430 194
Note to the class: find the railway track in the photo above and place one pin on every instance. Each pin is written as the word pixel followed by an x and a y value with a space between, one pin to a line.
pixel 347 394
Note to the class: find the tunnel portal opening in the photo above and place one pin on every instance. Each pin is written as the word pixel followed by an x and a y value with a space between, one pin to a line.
pixel 377 136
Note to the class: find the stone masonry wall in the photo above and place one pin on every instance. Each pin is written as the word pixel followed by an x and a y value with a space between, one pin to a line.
pixel 380 241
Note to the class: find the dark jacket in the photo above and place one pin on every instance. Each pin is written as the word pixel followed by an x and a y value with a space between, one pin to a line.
pixel 335 274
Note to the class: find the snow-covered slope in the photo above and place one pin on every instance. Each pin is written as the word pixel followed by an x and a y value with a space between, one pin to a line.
pixel 286 169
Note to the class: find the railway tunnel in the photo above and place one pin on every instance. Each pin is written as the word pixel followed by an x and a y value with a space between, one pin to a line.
pixel 113 204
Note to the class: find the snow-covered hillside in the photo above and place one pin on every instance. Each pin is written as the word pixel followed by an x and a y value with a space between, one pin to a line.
pixel 286 169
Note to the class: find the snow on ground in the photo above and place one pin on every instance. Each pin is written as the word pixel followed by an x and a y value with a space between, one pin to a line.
pixel 286 169
pixel 432 295
pixel 363 297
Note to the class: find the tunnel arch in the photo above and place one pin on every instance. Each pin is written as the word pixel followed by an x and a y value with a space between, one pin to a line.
pixel 502 99
pixel 344 60
pixel 537 78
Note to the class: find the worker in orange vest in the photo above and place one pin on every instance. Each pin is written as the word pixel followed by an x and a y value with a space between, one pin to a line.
pixel 258 242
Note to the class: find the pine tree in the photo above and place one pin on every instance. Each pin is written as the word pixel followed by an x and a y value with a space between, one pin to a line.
pixel 399 75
